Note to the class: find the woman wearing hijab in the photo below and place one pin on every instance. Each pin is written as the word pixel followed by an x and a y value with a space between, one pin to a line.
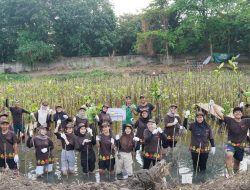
pixel 201 136
pixel 43 147
pixel 141 125
pixel 81 117
pixel 44 115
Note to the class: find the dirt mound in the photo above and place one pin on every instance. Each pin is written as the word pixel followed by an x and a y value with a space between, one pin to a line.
pixel 143 179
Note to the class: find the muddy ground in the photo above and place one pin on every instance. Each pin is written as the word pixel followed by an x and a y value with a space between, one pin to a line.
pixel 141 180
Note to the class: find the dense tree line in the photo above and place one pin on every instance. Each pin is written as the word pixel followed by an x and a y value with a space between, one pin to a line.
pixel 39 30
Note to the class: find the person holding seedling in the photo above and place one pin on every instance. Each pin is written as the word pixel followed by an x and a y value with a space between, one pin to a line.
pixel 43 147
pixel 84 144
pixel 106 147
pixel 172 128
pixel 144 105
pixel 125 148
pixel 201 136
pixel 104 117
pixel 60 116
pixel 8 147
pixel 237 136
pixel 153 137
pixel 128 107
pixel 140 126
pixel 17 116
pixel 68 140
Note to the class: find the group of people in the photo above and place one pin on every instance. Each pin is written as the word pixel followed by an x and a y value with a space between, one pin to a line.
pixel 116 152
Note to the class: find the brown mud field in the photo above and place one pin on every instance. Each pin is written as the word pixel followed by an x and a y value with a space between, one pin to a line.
pixel 143 179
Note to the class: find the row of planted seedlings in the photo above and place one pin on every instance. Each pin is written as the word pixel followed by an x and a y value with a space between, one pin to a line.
pixel 182 88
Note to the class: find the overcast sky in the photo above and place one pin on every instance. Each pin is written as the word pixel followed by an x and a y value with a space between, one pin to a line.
pixel 129 6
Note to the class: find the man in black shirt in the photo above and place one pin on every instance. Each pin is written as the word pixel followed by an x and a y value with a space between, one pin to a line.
pixel 17 116
pixel 144 105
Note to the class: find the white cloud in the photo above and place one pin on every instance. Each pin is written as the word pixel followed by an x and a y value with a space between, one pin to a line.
pixel 129 6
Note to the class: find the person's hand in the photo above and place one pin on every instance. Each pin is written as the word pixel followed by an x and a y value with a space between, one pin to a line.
pixel 175 121
pixel 159 130
pixel 85 141
pixel 181 127
pixel 187 113
pixel 97 118
pixel 59 122
pixel 90 131
pixel 31 133
pixel 16 158
pixel 98 138
pixel 50 111
pixel 117 137
pixel 44 150
pixel 32 114
pixel 63 136
pixel 155 131
pixel 65 116
pixel 112 141
pixel 241 105
pixel 212 151
pixel 74 119
pixel 136 139
pixel 211 103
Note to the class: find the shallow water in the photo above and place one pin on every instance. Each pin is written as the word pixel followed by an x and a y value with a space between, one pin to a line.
pixel 181 171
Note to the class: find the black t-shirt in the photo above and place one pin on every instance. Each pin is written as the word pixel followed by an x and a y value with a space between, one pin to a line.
pixel 149 107
pixel 237 131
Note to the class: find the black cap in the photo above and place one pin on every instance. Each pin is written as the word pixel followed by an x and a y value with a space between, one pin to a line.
pixel 128 97
pixel 83 108
pixel 151 121
pixel 81 125
pixel 5 121
pixel 199 113
pixel 237 109
pixel 105 124
pixel 142 96
pixel 130 126
pixel 105 105
pixel 173 105
pixel 58 106
pixel 70 125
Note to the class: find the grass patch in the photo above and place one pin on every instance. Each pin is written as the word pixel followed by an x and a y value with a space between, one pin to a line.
pixel 14 77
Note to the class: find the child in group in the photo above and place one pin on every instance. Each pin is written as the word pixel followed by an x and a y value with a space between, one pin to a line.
pixel 68 139
pixel 106 146
pixel 43 146
pixel 84 144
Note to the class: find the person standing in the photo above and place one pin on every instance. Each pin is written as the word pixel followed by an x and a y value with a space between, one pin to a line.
pixel 201 136
pixel 43 147
pixel 125 147
pixel 17 116
pixel 128 107
pixel 106 147
pixel 141 125
pixel 153 137
pixel 84 144
pixel 68 140
pixel 237 136
pixel 104 117
pixel 44 115
pixel 144 105
pixel 8 147
pixel 172 127
pixel 60 116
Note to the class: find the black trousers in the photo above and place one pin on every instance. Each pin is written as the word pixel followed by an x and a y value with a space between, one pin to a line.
pixel 88 166
pixel 147 162
pixel 10 162
pixel 202 165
